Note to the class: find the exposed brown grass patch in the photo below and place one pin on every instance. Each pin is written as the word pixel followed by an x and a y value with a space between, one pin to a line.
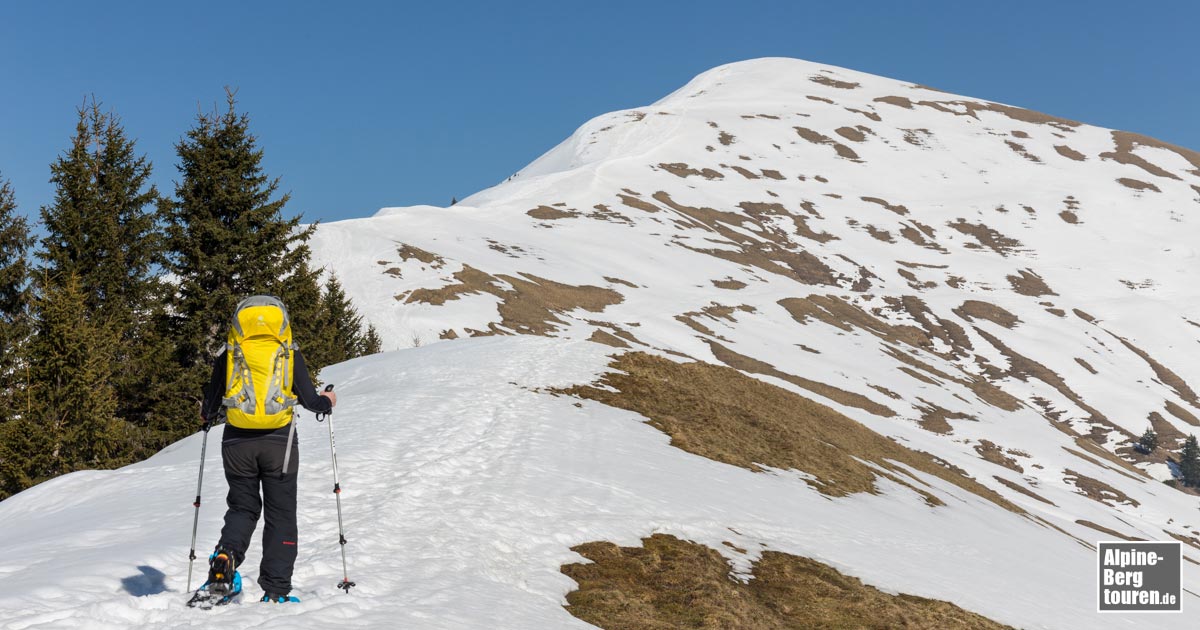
pixel 669 584
pixel 1104 530
pixel 897 208
pixel 831 82
pixel 936 419
pixel 1024 368
pixel 880 234
pixel 976 309
pixel 990 452
pixel 547 213
pixel 1091 443
pixel 917 137
pixel 1097 490
pixel 972 109
pixel 754 366
pixel 839 313
pixel 1163 373
pixel 1182 414
pixel 433 260
pixel 1085 365
pixel 1069 217
pixel 532 304
pixel 987 237
pixel 1126 142
pixel 851 134
pixel 1020 150
pixel 1069 153
pixel 915 232
pixel 772 174
pixel 819 98
pixel 620 281
pixel 729 284
pixel 1016 487
pixel 820 138
pixel 608 339
pixel 719 413
pixel 726 138
pixel 1137 184
pixel 763 212
pixel 1029 283
pixel 638 204
pixel 744 172
pixel 869 115
pixel 773 251
pixel 679 169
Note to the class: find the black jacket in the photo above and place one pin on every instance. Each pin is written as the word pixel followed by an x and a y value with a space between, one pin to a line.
pixel 302 388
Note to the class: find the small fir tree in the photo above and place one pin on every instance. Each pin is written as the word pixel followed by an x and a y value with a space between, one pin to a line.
pixel 344 321
pixel 1149 441
pixel 371 342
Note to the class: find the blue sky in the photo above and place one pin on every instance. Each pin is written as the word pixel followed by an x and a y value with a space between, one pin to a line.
pixel 361 105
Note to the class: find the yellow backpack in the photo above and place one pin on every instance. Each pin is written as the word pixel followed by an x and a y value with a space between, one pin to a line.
pixel 258 392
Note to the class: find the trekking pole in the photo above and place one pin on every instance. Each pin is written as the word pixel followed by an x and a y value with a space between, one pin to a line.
pixel 345 584
pixel 196 517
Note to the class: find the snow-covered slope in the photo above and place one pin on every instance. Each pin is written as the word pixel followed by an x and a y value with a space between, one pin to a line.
pixel 1009 292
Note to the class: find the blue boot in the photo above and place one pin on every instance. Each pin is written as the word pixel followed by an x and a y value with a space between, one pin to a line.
pixel 276 598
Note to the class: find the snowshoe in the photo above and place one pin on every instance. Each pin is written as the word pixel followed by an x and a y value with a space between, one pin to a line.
pixel 224 583
pixel 207 596
pixel 279 599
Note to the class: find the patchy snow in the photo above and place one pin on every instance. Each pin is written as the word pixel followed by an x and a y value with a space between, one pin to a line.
pixel 464 488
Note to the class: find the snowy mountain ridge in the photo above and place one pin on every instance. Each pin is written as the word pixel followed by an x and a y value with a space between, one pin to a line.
pixel 1004 294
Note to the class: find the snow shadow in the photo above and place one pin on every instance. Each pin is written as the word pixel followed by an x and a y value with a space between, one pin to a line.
pixel 150 581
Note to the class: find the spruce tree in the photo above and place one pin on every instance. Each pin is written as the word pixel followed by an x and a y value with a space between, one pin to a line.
pixel 103 229
pixel 1189 461
pixel 371 342
pixel 15 242
pixel 227 238
pixel 103 226
pixel 343 322
pixel 70 359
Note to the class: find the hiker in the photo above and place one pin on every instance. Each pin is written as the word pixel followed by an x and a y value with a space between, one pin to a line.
pixel 255 383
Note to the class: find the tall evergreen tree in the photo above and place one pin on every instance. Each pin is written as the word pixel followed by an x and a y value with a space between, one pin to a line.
pixel 103 226
pixel 103 229
pixel 22 448
pixel 1189 461
pixel 15 242
pixel 227 238
pixel 71 360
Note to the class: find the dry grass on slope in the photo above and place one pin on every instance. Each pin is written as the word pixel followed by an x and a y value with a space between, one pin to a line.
pixel 719 413
pixel 669 584
pixel 531 306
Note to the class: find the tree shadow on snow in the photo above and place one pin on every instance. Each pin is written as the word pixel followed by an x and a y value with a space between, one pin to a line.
pixel 151 581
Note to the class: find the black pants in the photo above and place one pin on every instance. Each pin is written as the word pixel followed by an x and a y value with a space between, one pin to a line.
pixel 251 462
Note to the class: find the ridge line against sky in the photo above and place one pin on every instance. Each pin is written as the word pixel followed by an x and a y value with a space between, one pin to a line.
pixel 384 104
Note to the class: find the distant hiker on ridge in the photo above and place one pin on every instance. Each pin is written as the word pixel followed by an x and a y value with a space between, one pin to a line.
pixel 255 383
